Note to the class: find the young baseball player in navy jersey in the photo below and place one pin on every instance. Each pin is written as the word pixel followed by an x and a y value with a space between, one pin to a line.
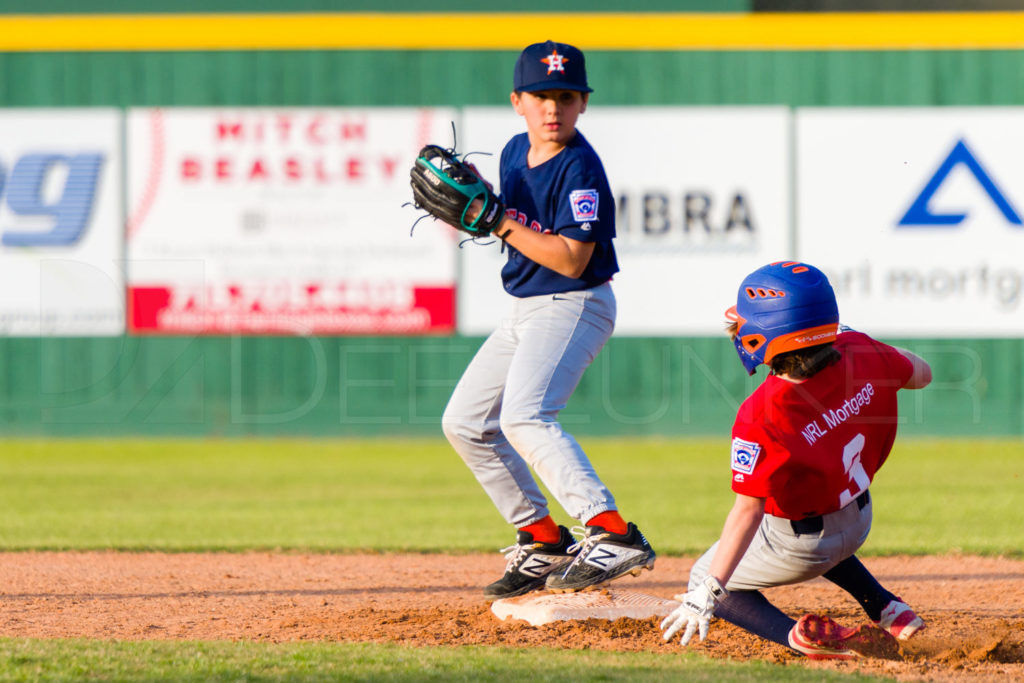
pixel 805 448
pixel 503 415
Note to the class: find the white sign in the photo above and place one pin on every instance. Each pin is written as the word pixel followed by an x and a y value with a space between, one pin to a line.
pixel 60 223
pixel 284 221
pixel 702 196
pixel 916 216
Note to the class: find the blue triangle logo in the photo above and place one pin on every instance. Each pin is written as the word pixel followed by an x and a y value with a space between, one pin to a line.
pixel 919 214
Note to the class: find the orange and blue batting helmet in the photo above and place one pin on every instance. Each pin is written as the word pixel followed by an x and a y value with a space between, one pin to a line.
pixel 780 307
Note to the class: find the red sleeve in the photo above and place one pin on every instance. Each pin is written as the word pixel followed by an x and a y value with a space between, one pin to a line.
pixel 750 462
pixel 899 366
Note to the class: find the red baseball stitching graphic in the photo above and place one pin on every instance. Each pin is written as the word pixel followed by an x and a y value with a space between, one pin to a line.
pixel 154 175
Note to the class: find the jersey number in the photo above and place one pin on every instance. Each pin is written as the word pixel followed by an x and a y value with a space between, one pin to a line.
pixel 858 476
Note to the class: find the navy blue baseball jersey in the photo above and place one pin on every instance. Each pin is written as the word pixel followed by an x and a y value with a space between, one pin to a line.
pixel 568 195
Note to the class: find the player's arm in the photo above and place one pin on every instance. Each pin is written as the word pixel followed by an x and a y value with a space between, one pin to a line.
pixel 922 375
pixel 698 604
pixel 561 254
pixel 740 527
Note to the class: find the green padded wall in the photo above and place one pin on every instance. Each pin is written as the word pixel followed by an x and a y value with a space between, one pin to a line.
pixel 458 78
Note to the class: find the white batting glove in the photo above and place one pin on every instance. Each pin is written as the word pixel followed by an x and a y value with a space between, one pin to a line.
pixel 696 611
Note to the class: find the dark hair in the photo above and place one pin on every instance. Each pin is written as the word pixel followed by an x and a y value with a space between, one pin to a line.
pixel 804 363
pixel 800 364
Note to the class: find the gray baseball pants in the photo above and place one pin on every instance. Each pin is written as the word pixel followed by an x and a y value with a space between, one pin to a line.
pixel 502 418
pixel 778 556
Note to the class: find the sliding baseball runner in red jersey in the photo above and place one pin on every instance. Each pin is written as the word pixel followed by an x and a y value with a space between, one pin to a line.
pixel 806 446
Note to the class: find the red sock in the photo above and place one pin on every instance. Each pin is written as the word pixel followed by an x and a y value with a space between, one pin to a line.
pixel 544 530
pixel 610 521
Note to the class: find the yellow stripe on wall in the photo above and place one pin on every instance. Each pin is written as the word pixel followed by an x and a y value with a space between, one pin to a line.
pixel 510 31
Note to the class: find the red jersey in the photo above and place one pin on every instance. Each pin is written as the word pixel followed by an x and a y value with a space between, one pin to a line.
pixel 810 448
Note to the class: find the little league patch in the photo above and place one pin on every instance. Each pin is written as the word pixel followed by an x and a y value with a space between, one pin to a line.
pixel 744 455
pixel 584 205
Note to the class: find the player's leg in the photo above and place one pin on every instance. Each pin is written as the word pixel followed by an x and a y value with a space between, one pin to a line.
pixel 854 578
pixel 559 337
pixel 814 636
pixel 884 608
pixel 752 611
pixel 780 555
pixel 888 611
pixel 471 424
pixel 748 609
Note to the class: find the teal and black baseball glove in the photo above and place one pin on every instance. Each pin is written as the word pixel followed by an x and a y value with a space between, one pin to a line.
pixel 446 187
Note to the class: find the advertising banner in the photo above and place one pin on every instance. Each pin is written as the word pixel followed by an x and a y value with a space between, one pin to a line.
pixel 60 222
pixel 702 196
pixel 916 215
pixel 284 221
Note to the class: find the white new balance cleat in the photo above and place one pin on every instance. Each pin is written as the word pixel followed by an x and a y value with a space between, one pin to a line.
pixel 602 556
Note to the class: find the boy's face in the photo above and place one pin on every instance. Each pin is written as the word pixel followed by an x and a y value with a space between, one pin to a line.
pixel 550 114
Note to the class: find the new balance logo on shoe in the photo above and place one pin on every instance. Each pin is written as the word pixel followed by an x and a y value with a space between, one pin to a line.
pixel 602 556
pixel 529 563
pixel 538 565
pixel 608 556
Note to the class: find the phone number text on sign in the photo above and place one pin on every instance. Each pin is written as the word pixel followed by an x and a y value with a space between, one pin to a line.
pixel 339 308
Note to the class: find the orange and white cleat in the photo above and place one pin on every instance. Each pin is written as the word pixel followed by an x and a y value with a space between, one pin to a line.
pixel 821 637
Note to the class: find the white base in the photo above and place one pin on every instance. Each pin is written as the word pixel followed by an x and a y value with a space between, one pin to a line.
pixel 540 607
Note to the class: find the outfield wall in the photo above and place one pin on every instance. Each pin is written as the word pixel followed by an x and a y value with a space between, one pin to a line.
pixel 339 386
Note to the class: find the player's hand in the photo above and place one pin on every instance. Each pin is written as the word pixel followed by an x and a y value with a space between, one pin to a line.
pixel 696 611
pixel 472 167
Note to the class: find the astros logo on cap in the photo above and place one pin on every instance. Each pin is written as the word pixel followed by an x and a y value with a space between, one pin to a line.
pixel 555 62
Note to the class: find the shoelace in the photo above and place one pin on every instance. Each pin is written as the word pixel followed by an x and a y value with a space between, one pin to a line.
pixel 514 553
pixel 582 546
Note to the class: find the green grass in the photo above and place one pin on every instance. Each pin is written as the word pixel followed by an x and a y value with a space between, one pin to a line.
pixel 932 496
pixel 63 660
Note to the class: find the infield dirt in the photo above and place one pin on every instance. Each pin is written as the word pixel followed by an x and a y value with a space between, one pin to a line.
pixel 974 607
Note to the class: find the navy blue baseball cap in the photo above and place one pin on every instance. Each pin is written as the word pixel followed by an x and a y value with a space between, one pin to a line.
pixel 550 66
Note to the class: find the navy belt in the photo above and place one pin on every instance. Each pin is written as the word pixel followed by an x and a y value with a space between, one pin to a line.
pixel 815 525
